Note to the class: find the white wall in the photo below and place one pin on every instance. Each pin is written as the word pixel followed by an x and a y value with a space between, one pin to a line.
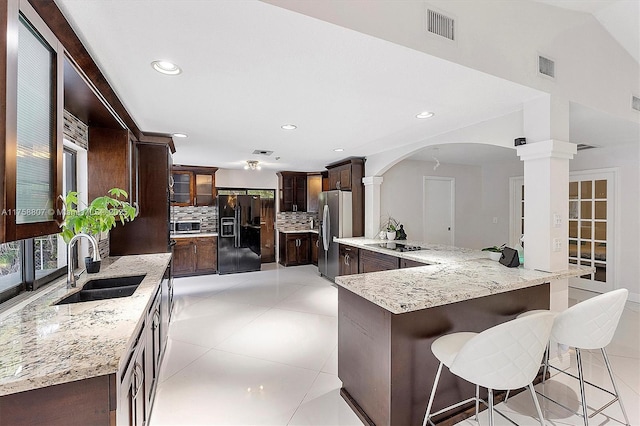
pixel 256 179
pixel 482 193
pixel 626 158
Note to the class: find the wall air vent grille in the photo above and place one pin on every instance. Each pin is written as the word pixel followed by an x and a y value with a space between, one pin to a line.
pixel 635 103
pixel 546 67
pixel 440 24
pixel 583 146
pixel 262 152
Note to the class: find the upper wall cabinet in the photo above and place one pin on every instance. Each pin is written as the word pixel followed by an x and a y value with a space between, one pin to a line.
pixel 113 162
pixel 347 175
pixel 31 83
pixel 193 186
pixel 293 191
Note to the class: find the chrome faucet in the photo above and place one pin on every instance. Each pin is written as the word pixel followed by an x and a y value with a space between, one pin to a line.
pixel 71 277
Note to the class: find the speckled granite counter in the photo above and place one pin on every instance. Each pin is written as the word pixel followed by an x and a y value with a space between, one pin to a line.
pixel 195 235
pixel 454 274
pixel 297 231
pixel 42 344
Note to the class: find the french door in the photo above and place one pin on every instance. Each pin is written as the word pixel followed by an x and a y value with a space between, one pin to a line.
pixel 591 238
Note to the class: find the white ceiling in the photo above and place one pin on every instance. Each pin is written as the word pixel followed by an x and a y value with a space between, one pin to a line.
pixel 250 67
pixel 621 18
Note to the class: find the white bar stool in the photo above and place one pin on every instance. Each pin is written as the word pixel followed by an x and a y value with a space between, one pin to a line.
pixel 506 356
pixel 590 324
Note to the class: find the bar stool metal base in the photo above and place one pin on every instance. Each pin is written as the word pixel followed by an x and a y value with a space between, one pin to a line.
pixel 582 381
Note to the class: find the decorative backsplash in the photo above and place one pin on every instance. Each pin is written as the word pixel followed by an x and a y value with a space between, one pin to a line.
pixel 296 221
pixel 207 215
pixel 75 130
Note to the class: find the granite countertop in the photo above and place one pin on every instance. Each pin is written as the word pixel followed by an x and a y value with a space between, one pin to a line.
pixel 195 235
pixel 43 345
pixel 296 231
pixel 454 275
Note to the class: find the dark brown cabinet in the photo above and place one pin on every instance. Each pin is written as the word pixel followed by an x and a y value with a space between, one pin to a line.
pixel 195 256
pixel 315 245
pixel 149 232
pixel 348 260
pixel 133 406
pixel 295 249
pixel 193 186
pixel 292 188
pixel 347 175
pixel 406 263
pixel 371 261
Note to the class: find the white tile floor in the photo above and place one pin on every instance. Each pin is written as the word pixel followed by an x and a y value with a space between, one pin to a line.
pixel 261 348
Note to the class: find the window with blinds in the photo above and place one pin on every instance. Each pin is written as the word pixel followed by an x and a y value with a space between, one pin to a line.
pixel 35 130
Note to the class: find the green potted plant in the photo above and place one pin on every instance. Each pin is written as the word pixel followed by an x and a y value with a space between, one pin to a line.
pixel 99 216
pixel 495 252
pixel 390 226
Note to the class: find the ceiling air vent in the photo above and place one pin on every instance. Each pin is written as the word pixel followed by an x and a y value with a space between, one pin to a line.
pixel 635 103
pixel 583 146
pixel 546 66
pixel 262 152
pixel 440 24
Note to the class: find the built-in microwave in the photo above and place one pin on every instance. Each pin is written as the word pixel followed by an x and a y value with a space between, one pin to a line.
pixel 186 226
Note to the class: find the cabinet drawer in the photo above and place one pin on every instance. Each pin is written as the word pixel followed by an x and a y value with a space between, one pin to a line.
pixel 371 261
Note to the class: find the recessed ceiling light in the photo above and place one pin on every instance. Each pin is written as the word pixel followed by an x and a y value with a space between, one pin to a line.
pixel 166 67
pixel 425 114
pixel 289 126
pixel 179 135
pixel 339 149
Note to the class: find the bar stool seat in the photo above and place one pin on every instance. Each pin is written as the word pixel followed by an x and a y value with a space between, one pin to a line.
pixel 506 356
pixel 590 324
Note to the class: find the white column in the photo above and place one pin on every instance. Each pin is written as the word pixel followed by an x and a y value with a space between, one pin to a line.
pixel 546 203
pixel 371 205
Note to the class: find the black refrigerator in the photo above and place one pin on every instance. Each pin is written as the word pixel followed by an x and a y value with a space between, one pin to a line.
pixel 238 233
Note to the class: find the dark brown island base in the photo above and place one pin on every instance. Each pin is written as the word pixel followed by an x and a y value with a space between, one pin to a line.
pixel 387 321
pixel 385 360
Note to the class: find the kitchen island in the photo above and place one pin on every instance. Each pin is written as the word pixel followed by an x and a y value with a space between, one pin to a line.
pixel 83 363
pixel 387 321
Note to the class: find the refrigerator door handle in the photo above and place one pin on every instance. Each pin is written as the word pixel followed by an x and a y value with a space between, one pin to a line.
pixel 325 227
pixel 237 225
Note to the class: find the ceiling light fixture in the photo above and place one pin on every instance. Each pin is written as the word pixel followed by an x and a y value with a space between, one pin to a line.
pixel 339 149
pixel 166 67
pixel 425 114
pixel 252 165
pixel 179 135
pixel 289 126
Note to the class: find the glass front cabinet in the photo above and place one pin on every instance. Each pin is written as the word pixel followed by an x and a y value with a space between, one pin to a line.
pixel 33 116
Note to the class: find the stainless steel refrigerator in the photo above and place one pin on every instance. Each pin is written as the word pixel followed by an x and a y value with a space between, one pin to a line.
pixel 335 221
pixel 238 233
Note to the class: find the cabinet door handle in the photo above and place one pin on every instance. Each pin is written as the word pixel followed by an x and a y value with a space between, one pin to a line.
pixel 156 320
pixel 346 259
pixel 137 386
pixel 195 201
pixel 195 248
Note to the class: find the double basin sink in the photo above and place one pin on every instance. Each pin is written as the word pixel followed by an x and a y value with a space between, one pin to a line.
pixel 104 288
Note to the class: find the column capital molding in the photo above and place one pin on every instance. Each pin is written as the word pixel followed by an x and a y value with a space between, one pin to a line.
pixel 547 149
pixel 372 180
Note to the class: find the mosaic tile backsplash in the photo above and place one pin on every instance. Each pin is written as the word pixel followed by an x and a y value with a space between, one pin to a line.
pixel 75 130
pixel 296 221
pixel 207 215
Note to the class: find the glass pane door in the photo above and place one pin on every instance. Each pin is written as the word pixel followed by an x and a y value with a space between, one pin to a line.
pixel 591 228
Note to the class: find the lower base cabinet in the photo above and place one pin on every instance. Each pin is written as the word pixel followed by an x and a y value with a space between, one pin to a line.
pixel 195 256
pixel 125 398
pixel 371 261
pixel 315 245
pixel 295 248
pixel 348 263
